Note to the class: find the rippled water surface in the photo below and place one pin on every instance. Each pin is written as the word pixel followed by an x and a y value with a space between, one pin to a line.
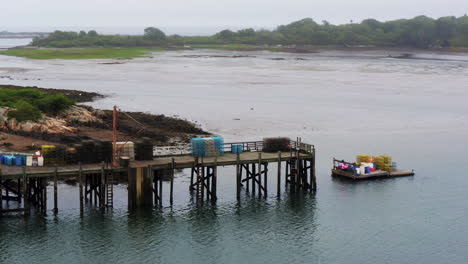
pixel 346 103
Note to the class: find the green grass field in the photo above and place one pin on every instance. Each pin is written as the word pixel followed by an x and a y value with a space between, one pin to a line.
pixel 80 53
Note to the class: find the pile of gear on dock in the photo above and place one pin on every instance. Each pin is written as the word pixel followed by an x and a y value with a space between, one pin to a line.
pixel 207 147
pixel 87 152
pixel 366 164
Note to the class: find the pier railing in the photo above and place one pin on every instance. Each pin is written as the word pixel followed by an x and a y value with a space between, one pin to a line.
pixel 247 146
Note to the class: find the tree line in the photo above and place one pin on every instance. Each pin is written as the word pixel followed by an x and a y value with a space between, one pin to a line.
pixel 418 32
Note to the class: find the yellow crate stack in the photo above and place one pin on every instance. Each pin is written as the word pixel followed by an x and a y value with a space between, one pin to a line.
pixel 363 158
pixel 384 163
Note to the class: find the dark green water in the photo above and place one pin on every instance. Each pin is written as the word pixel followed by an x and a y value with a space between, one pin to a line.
pixel 344 103
pixel 419 219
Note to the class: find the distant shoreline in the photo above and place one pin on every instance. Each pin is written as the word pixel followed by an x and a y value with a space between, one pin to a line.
pixel 136 52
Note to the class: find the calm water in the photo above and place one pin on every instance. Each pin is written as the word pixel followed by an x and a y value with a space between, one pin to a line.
pixel 13 42
pixel 344 103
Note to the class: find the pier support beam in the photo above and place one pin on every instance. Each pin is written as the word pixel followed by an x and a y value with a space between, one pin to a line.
pixel 253 174
pixel 26 194
pixel 205 186
pixel 300 174
pixel 140 187
pixel 55 191
pixel 80 179
pixel 171 196
pixel 278 184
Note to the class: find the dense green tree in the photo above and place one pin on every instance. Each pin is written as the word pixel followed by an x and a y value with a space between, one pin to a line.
pixel 154 34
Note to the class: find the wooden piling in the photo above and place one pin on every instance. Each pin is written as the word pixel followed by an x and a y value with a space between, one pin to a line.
pixel 160 191
pixel 247 176
pixel 202 182
pixel 25 194
pixel 253 179
pixel 44 196
pixel 192 175
pixel 172 182
pixel 278 184
pixel 102 187
pixel 80 179
pixel 214 180
pixel 56 190
pixel 94 187
pixel 259 175
pixel 265 180
pixel 208 182
pixel 156 187
pixel 312 173
pixel 238 179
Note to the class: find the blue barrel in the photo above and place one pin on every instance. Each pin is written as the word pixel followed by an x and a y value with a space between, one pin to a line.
pixel 20 160
pixel 237 149
pixel 9 160
pixel 368 170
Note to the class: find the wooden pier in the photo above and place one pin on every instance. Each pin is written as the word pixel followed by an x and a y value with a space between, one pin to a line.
pixel 27 185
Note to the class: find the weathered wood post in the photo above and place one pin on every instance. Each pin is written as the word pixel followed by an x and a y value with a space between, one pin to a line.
pixel 25 193
pixel 265 180
pixel 80 179
pixel 56 190
pixel 192 174
pixel 156 187
pixel 259 175
pixel 160 190
pixel 214 180
pixel 44 196
pixel 172 182
pixel 278 187
pixel 102 188
pixel 247 176
pixel 238 179
pixel 201 181
pixel 253 174
pixel 86 189
pixel 140 187
pixel 208 189
pixel 313 179
pixel 95 188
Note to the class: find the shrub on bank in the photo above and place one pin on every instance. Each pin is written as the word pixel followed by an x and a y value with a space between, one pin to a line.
pixel 30 104
pixel 24 111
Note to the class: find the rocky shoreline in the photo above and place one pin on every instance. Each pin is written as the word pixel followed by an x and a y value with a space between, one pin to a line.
pixel 81 122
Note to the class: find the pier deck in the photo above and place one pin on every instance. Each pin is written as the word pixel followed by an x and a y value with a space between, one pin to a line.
pixel 181 162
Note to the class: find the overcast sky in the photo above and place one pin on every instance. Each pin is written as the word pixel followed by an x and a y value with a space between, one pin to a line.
pixel 204 16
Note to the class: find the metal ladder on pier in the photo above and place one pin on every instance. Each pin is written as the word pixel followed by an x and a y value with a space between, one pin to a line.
pixel 110 189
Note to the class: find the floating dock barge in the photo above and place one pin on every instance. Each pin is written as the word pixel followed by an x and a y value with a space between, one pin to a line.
pixel 378 174
pixel 28 185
